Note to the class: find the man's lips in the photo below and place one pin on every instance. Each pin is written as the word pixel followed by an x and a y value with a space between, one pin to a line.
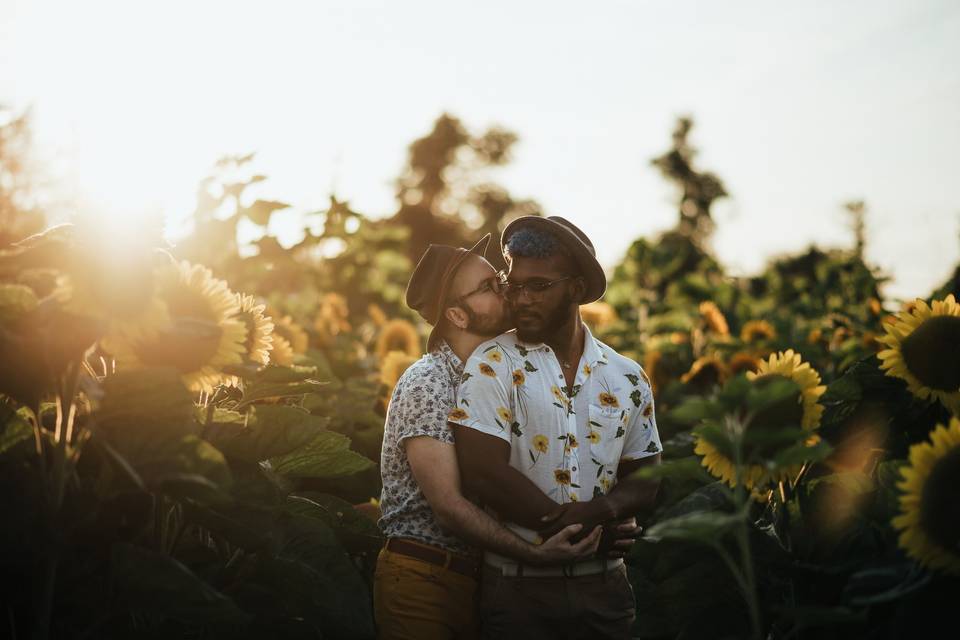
pixel 526 317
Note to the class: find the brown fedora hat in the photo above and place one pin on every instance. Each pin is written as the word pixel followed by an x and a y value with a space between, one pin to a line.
pixel 429 285
pixel 575 240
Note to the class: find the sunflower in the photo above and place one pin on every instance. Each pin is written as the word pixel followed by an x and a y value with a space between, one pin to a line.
pixel 202 335
pixel 331 318
pixel 505 414
pixel 494 356
pixel 259 329
pixel 598 315
pixel 541 443
pixel 392 367
pixel 803 409
pixel 457 415
pixel 398 335
pixel 741 362
pixel 562 476
pixel 377 316
pixel 594 437
pixel 282 353
pixel 518 377
pixel 928 523
pixel 923 349
pixel 715 320
pixel 705 372
pixel 757 330
pixel 487 370
pixel 293 333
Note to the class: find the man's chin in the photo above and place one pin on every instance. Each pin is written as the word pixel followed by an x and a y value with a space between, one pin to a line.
pixel 530 334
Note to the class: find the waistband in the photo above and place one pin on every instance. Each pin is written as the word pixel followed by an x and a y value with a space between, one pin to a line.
pixel 512 569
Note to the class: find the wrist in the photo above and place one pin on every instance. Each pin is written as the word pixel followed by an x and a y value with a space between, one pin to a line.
pixel 606 508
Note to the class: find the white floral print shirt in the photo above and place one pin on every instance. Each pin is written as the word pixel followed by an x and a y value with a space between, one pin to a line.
pixel 568 442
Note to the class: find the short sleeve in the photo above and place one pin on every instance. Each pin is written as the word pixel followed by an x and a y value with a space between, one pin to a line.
pixel 484 401
pixel 419 407
pixel 642 439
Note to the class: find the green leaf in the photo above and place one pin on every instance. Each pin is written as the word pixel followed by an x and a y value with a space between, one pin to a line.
pixel 270 431
pixel 356 532
pixel 261 391
pixel 800 453
pixel 327 456
pixel 772 391
pixel 682 469
pixel 150 582
pixel 717 436
pixel 250 526
pixel 707 527
pixel 695 410
pixel 16 300
pixel 145 406
pixel 15 431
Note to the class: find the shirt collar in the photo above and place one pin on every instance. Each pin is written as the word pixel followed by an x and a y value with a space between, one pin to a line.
pixel 593 353
pixel 450 359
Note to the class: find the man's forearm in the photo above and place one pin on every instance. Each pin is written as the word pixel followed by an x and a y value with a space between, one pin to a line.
pixel 631 495
pixel 477 527
pixel 511 494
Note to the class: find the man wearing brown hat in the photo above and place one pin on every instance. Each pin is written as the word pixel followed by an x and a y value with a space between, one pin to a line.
pixel 426 575
pixel 550 424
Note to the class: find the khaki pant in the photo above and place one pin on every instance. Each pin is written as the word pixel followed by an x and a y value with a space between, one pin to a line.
pixel 556 608
pixel 416 600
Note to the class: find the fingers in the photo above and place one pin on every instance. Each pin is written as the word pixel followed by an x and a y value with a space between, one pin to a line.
pixel 567 532
pixel 589 544
pixel 553 515
pixel 627 525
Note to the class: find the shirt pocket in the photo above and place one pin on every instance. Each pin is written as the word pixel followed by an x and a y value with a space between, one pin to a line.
pixel 607 429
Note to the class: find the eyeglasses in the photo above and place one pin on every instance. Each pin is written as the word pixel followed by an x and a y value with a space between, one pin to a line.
pixel 533 288
pixel 494 284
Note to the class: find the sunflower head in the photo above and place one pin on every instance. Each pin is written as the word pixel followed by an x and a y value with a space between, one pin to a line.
pixel 757 330
pixel 259 329
pixel 608 400
pixel 929 521
pixel 457 414
pixel 562 476
pixel 505 414
pixel 541 443
pixel 705 372
pixel 393 366
pixel 398 335
pixel 202 335
pixel 741 362
pixel 923 349
pixel 487 370
pixel 331 319
pixel 293 333
pixel 714 319
pixel 519 377
pixel 282 351
pixel 798 408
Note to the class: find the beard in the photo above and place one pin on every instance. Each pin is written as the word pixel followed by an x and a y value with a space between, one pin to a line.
pixel 488 325
pixel 537 323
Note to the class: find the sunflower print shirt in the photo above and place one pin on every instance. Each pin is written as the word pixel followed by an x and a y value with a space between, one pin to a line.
pixel 569 442
pixel 419 406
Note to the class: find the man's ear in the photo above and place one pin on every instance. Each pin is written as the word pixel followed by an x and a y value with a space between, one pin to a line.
pixel 579 287
pixel 456 317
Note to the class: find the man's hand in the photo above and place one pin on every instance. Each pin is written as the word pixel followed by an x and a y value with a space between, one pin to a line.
pixel 589 514
pixel 618 538
pixel 560 550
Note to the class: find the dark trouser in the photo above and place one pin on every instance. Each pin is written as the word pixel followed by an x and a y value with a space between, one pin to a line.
pixel 556 608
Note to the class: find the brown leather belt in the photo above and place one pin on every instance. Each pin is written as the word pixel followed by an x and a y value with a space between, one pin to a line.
pixel 433 555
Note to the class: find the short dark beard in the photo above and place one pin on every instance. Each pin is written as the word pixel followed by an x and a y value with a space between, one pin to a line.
pixel 552 323
pixel 484 324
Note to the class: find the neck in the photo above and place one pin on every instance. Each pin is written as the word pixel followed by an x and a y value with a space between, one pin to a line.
pixel 463 343
pixel 567 340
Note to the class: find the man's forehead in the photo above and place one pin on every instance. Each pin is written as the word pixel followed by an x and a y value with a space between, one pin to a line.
pixel 474 269
pixel 522 268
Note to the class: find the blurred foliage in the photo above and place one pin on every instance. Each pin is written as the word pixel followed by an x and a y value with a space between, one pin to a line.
pixel 150 505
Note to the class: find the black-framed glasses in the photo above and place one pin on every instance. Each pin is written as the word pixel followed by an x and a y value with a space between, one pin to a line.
pixel 533 288
pixel 494 284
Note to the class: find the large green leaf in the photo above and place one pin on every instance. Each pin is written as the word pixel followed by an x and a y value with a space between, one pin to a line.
pixel 270 431
pixel 250 526
pixel 147 405
pixel 15 432
pixel 257 391
pixel 150 582
pixel 356 532
pixel 327 456
pixel 685 468
pixel 707 527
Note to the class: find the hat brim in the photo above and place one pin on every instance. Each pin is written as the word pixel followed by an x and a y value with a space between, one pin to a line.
pixel 478 249
pixel 593 276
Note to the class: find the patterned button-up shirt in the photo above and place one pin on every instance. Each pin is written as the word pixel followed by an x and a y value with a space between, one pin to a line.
pixel 419 406
pixel 568 442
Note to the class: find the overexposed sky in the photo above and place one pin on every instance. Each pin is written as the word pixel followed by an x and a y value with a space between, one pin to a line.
pixel 799 107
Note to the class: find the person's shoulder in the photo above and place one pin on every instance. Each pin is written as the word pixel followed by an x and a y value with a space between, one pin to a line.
pixel 426 370
pixel 620 364
pixel 505 344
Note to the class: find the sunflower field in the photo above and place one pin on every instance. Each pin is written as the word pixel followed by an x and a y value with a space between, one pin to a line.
pixel 189 433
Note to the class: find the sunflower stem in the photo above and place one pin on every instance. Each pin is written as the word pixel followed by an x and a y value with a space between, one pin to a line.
pixel 737 428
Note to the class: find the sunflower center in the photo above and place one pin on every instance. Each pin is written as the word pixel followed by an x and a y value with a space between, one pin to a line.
pixel 762 441
pixel 189 345
pixel 932 353
pixel 939 515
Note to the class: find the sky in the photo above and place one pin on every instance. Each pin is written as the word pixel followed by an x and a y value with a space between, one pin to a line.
pixel 799 107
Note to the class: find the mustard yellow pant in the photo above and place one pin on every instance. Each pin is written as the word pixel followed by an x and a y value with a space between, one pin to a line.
pixel 416 600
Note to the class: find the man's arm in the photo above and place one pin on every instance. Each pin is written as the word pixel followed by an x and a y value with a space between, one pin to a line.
pixel 434 466
pixel 485 464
